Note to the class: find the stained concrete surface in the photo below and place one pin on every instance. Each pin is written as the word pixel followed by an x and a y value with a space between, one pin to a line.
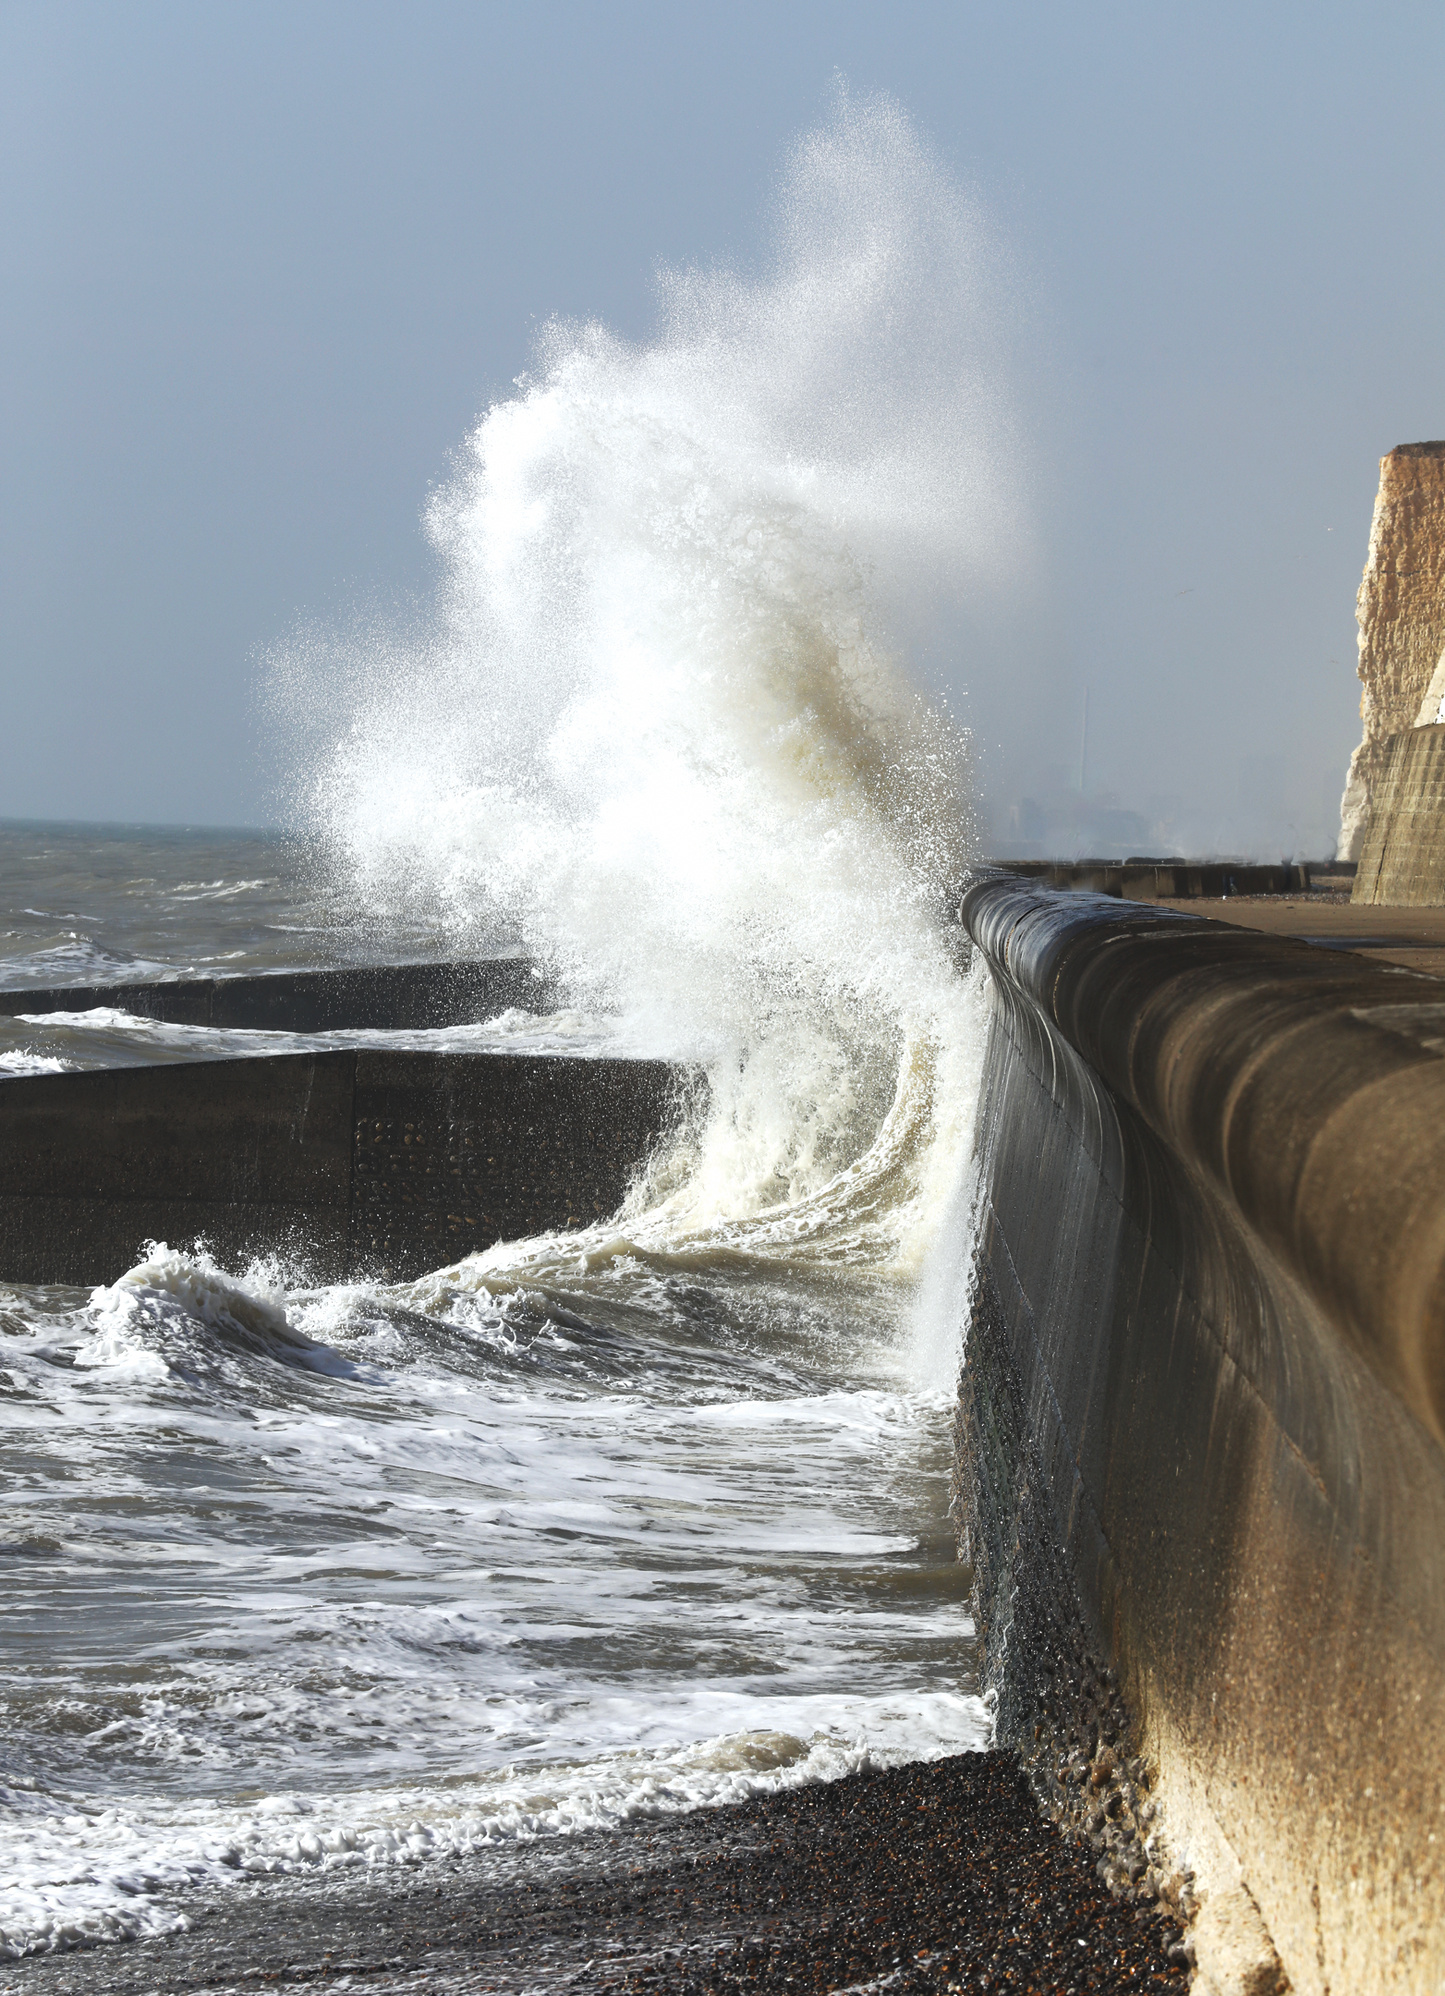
pixel 1204 1410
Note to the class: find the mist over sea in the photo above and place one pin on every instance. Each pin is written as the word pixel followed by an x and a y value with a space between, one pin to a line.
pixel 652 1514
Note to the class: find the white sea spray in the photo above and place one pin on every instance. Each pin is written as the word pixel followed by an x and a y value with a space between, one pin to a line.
pixel 648 1515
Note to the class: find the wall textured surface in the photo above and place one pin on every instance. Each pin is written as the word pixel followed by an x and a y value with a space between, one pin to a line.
pixel 386 996
pixel 1201 1425
pixel 1400 610
pixel 1402 860
pixel 353 1163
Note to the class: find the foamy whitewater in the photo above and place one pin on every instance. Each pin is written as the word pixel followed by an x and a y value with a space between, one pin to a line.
pixel 650 1515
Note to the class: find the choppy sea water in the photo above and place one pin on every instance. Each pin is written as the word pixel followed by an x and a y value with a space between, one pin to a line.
pixel 651 1515
pixel 112 905
pixel 98 904
pixel 628 1521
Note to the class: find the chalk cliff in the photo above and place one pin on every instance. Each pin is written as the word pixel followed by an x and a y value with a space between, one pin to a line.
pixel 1400 610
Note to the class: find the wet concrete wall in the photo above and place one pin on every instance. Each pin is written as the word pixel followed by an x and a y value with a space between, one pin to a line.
pixel 1202 1478
pixel 1164 879
pixel 351 1163
pixel 382 996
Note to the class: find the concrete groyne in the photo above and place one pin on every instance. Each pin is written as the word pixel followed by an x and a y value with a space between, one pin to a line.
pixel 1202 1479
pixel 1165 879
pixel 352 1163
pixel 386 996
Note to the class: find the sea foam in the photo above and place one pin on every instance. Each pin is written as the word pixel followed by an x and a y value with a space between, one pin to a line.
pixel 652 1514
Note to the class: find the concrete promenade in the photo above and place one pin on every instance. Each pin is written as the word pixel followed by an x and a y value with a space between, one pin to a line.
pixel 1409 938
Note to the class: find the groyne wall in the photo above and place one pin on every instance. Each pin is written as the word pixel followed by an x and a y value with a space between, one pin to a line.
pixel 351 1163
pixel 1202 1425
pixel 388 996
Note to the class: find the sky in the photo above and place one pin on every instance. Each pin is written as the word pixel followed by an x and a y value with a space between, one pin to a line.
pixel 265 265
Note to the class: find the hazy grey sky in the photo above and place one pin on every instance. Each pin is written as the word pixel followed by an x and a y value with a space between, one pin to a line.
pixel 263 265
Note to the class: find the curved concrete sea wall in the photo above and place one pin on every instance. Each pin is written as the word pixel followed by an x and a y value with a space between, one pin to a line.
pixel 1202 1425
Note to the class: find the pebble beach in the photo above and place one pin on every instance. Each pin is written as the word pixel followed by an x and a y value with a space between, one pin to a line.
pixel 940 1875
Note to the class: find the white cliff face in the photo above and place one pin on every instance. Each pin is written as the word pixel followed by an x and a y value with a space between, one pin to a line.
pixel 1400 610
pixel 1432 707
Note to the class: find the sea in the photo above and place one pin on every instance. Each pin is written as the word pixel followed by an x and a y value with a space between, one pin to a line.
pixel 584 1528
pixel 649 1516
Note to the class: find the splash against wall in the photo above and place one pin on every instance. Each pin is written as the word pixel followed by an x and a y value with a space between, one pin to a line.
pixel 659 719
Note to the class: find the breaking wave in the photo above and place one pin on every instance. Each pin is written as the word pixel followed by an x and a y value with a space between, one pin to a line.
pixel 652 1514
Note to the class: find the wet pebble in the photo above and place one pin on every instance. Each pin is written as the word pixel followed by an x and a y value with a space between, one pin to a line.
pixel 941 1876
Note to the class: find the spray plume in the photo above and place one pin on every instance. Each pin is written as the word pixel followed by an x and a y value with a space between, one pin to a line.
pixel 659 724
